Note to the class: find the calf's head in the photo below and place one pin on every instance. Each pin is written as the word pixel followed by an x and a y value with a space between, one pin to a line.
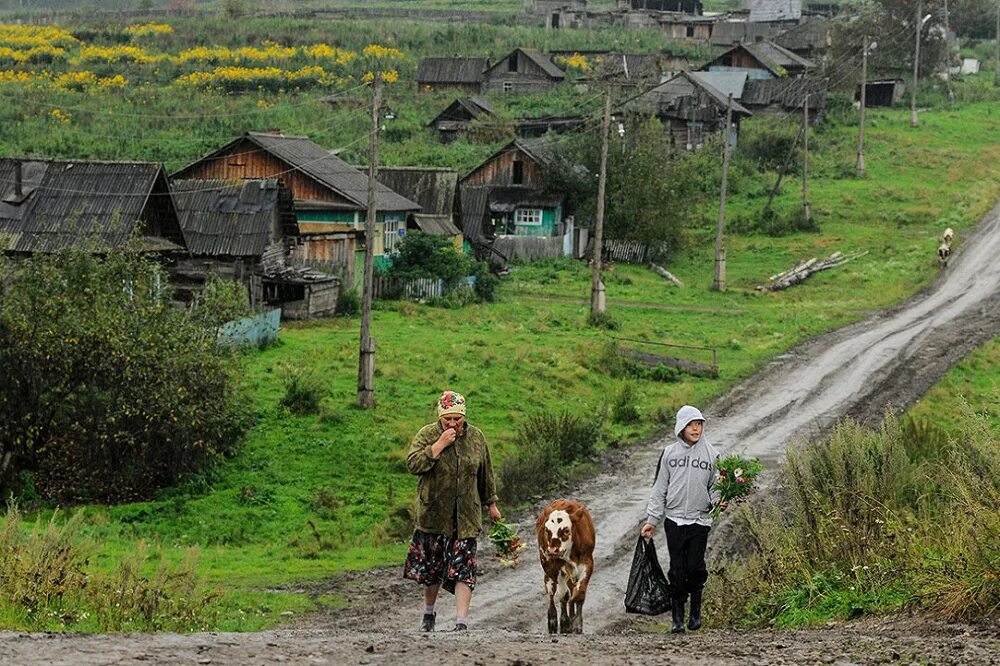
pixel 558 534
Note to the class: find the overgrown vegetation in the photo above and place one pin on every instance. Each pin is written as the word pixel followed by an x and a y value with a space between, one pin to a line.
pixel 871 520
pixel 108 392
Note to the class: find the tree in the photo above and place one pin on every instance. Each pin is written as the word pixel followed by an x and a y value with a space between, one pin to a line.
pixel 109 393
pixel 646 200
pixel 890 25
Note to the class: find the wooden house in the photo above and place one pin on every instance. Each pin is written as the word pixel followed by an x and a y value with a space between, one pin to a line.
pixel 881 93
pixel 506 195
pixel 680 6
pixel 689 108
pixel 51 205
pixel 811 39
pixel 522 70
pixel 245 230
pixel 760 60
pixel 731 33
pixel 454 121
pixel 330 196
pixel 435 190
pixel 786 96
pixel 457 72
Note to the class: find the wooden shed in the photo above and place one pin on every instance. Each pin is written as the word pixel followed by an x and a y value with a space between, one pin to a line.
pixel 50 205
pixel 330 195
pixel 522 70
pixel 453 122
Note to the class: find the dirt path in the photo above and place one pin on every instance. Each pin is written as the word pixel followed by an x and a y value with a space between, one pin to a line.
pixel 889 359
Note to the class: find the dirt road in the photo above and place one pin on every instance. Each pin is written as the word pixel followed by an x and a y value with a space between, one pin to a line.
pixel 889 359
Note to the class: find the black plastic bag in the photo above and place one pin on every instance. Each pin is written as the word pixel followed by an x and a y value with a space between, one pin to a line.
pixel 648 591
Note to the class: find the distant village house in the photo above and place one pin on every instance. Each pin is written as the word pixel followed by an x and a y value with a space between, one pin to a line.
pixel 522 70
pixel 458 73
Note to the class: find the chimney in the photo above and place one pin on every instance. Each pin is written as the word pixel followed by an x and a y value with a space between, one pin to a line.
pixel 17 179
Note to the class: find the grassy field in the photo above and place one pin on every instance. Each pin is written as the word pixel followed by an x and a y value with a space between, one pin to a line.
pixel 311 496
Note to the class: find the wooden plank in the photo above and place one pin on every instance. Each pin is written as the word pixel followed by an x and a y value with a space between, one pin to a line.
pixel 653 360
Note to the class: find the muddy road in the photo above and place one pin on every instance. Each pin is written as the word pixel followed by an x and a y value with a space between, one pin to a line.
pixel 888 360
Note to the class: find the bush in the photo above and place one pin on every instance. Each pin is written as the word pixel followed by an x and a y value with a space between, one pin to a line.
pixel 568 437
pixel 109 393
pixel 420 255
pixel 624 409
pixel 348 303
pixel 304 391
pixel 220 301
pixel 767 146
pixel 603 320
pixel 774 223
pixel 486 284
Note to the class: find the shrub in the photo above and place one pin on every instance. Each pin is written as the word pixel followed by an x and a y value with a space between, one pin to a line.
pixel 767 146
pixel 603 320
pixel 220 301
pixel 486 284
pixel 109 392
pixel 304 391
pixel 421 255
pixel 568 437
pixel 624 409
pixel 348 303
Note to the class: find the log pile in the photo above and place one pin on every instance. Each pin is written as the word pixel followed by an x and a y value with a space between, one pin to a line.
pixel 804 269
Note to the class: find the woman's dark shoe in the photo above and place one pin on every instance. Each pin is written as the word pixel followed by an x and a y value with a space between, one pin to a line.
pixel 461 627
pixel 677 612
pixel 428 623
pixel 694 621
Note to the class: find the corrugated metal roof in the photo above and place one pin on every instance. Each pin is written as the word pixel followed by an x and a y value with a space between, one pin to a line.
pixel 328 169
pixel 84 204
pixel 463 109
pixel 451 69
pixel 683 90
pixel 473 203
pixel 507 199
pixel 433 189
pixel 725 82
pixel 727 33
pixel 769 51
pixel 811 35
pixel 788 93
pixel 762 11
pixel 440 225
pixel 541 59
pixel 228 218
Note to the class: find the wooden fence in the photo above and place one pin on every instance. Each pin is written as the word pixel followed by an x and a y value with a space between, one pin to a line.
pixel 385 288
pixel 627 252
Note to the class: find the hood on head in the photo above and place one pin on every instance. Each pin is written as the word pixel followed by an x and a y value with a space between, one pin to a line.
pixel 685 415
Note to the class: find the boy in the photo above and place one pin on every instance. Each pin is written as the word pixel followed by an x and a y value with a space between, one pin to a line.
pixel 684 491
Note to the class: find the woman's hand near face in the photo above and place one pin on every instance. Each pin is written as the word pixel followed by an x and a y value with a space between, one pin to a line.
pixel 446 439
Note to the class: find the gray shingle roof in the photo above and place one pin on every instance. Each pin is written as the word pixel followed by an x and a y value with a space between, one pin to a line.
pixel 439 225
pixel 456 69
pixel 433 189
pixel 775 10
pixel 228 218
pixel 86 204
pixel 786 93
pixel 326 168
pixel 541 59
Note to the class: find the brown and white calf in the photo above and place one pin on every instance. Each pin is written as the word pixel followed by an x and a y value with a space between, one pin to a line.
pixel 566 538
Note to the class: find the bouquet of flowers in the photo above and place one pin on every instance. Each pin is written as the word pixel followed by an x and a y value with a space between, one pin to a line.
pixel 737 480
pixel 506 543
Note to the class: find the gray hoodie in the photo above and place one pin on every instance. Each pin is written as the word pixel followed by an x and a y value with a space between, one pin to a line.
pixel 686 486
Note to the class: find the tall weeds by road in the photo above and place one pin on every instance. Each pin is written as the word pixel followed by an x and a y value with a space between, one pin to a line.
pixel 873 520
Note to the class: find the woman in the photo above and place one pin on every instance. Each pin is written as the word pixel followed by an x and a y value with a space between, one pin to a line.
pixel 453 462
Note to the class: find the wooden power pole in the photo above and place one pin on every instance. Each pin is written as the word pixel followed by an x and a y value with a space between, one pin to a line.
pixel 996 39
pixel 914 120
pixel 860 166
pixel 366 361
pixel 719 281
pixel 805 159
pixel 597 299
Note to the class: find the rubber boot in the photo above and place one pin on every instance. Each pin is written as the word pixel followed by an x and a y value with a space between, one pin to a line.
pixel 694 620
pixel 677 611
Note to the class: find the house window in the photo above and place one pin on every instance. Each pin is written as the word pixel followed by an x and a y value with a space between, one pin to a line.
pixel 690 31
pixel 508 86
pixel 517 173
pixel 694 135
pixel 512 63
pixel 528 217
pixel 391 234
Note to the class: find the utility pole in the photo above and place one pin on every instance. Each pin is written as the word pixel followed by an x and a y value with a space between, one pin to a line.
pixel 366 361
pixel 947 49
pixel 805 159
pixel 597 300
pixel 860 166
pixel 996 37
pixel 719 281
pixel 914 121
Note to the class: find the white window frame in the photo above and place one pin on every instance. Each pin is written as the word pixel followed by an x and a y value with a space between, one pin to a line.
pixel 508 86
pixel 526 217
pixel 390 234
